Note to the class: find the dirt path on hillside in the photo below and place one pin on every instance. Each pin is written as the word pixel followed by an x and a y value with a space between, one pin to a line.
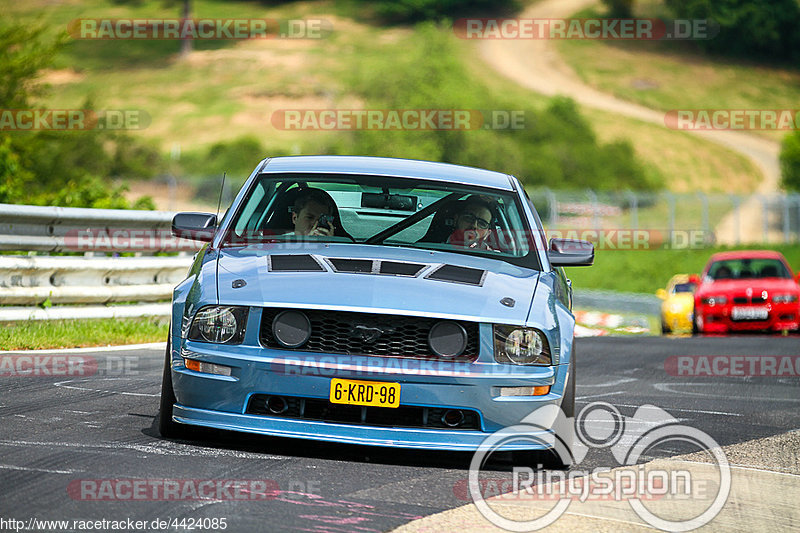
pixel 536 64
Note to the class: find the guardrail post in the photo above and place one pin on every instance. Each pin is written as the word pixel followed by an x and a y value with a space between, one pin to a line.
pixel 736 201
pixel 671 209
pixel 595 210
pixel 786 200
pixel 634 209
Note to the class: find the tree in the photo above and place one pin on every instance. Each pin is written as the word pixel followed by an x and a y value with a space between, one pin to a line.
pixel 790 161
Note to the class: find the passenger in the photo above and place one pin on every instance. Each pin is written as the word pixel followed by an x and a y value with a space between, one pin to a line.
pixel 472 224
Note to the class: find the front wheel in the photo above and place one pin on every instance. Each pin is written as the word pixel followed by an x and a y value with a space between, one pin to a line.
pixel 168 428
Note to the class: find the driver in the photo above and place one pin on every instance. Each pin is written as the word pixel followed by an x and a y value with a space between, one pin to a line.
pixel 309 206
pixel 472 224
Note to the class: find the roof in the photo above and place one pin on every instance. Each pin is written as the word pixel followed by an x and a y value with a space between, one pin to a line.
pixel 743 254
pixel 407 168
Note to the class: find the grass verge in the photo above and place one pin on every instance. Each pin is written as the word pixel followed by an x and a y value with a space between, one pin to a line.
pixel 645 271
pixel 43 334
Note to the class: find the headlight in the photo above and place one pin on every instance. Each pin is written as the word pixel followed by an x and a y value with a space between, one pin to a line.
pixel 219 324
pixel 784 298
pixel 711 301
pixel 521 346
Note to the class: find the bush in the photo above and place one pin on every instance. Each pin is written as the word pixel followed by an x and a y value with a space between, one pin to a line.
pixel 69 168
pixel 619 8
pixel 748 28
pixel 404 11
pixel 790 161
pixel 236 158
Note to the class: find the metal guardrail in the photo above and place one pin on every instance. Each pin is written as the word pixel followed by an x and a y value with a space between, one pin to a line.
pixel 75 229
pixel 33 280
pixel 612 301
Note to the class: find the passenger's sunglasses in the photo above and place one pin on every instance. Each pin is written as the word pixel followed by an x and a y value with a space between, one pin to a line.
pixel 471 219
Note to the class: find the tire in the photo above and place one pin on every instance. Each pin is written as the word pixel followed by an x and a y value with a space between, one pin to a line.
pixel 695 330
pixel 168 428
pixel 665 328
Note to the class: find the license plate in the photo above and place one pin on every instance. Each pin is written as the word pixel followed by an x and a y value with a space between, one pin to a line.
pixel 749 313
pixel 371 393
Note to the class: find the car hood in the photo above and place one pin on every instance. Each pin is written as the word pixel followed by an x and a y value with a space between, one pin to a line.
pixel 740 286
pixel 476 299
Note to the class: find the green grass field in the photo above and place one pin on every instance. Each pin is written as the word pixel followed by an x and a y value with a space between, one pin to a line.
pixel 41 334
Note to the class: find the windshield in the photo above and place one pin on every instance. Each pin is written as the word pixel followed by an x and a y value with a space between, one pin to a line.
pixel 747 269
pixel 381 210
pixel 684 287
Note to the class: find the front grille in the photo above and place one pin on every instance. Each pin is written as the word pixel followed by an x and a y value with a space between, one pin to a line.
pixel 322 410
pixel 746 300
pixel 347 333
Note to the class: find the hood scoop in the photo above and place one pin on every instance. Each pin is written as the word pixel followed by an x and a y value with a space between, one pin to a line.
pixel 375 266
pixel 294 263
pixel 458 274
pixel 347 265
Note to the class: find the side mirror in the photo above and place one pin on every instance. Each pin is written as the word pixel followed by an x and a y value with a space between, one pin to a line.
pixel 662 294
pixel 694 278
pixel 570 252
pixel 194 226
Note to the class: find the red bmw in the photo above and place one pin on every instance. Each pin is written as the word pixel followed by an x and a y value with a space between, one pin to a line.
pixel 747 291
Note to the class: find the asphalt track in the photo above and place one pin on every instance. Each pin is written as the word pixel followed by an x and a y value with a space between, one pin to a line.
pixel 57 431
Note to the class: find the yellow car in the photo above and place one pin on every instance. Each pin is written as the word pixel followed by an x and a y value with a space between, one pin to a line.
pixel 678 305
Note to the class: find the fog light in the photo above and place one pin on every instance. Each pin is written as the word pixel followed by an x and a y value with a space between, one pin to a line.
pixel 207 368
pixel 291 329
pixel 539 390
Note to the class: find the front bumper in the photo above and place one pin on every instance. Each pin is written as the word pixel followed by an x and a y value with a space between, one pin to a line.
pixel 221 401
pixel 718 319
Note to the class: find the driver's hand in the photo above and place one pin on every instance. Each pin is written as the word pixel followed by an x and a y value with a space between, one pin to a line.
pixel 322 232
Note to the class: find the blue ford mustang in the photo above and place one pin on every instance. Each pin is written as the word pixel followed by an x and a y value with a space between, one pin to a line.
pixel 371 301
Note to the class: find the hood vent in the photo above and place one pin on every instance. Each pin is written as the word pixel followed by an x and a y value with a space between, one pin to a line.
pixel 394 268
pixel 294 263
pixel 458 274
pixel 375 266
pixel 357 266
